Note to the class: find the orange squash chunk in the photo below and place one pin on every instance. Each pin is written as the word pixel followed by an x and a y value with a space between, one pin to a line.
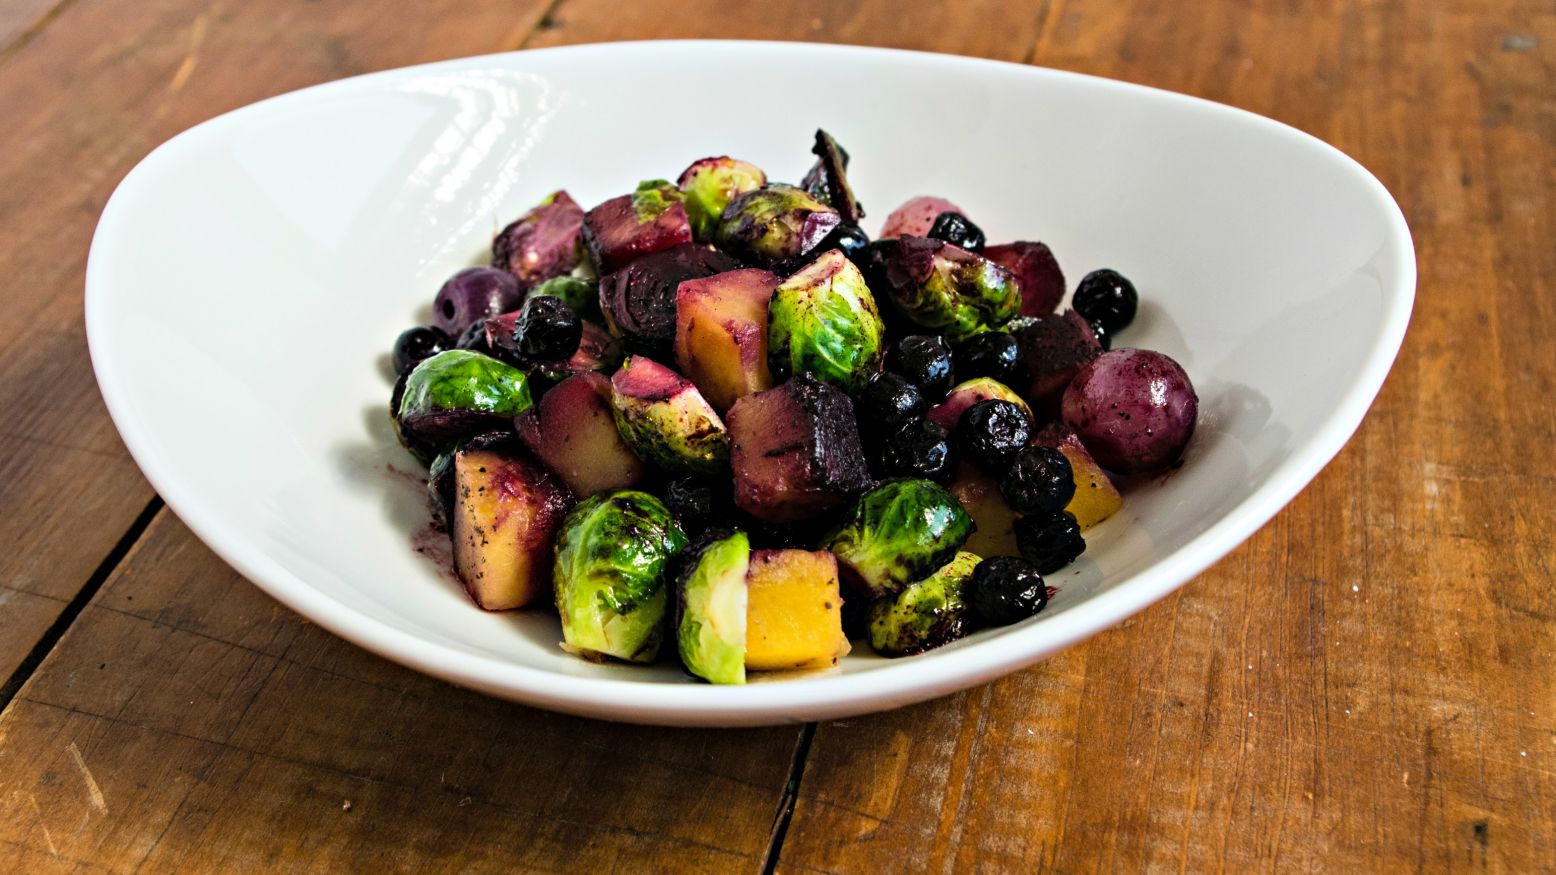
pixel 794 614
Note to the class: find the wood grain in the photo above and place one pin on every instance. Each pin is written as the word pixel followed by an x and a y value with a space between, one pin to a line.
pixel 222 734
pixel 94 89
pixel 1364 686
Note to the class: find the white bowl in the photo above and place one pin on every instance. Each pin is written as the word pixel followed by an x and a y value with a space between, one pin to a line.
pixel 248 277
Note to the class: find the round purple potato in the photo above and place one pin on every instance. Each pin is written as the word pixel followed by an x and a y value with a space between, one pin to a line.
pixel 1133 409
pixel 473 295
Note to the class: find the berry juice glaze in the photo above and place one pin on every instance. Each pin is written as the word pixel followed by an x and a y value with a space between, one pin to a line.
pixel 426 539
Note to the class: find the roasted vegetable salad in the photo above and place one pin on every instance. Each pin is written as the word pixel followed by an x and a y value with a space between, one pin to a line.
pixel 701 417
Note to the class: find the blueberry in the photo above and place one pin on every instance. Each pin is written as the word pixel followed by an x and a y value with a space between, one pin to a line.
pixel 548 330
pixel 1106 298
pixel 955 229
pixel 925 361
pixel 1050 541
pixel 850 238
pixel 1039 480
pixel 887 403
pixel 992 354
pixel 1005 590
pixel 1104 337
pixel 921 449
pixel 697 502
pixel 990 433
pixel 474 339
pixel 415 344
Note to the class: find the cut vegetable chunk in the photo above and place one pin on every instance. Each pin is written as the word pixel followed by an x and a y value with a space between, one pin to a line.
pixel 916 216
pixel 795 451
pixel 506 511
pixel 994 532
pixel 639 300
pixel 1054 348
pixel 1037 273
pixel 633 225
pixel 573 431
pixel 666 421
pixel 711 629
pixel 721 334
pixel 794 613
pixel 1096 498
pixel 929 613
pixel 949 412
pixel 543 243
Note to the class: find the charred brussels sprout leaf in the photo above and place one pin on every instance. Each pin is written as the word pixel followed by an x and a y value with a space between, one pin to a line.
pixel 710 184
pixel 948 289
pixel 457 393
pixel 927 614
pixel 774 223
pixel 827 180
pixel 823 320
pixel 898 532
pixel 611 555
pixel 711 634
pixel 653 197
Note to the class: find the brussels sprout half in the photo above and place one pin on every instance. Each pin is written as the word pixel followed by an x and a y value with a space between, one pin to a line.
pixel 898 532
pixel 711 633
pixel 948 289
pixel 774 223
pixel 611 555
pixel 927 614
pixel 666 421
pixel 456 393
pixel 710 184
pixel 823 320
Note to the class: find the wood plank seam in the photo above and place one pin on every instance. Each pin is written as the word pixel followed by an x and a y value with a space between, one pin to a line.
pixel 52 635
pixel 791 794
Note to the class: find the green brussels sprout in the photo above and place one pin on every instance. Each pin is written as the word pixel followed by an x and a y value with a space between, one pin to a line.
pixel 654 196
pixel 927 614
pixel 709 186
pixel 582 295
pixel 611 554
pixel 711 633
pixel 823 320
pixel 896 533
pixel 456 393
pixel 666 421
pixel 774 223
pixel 948 289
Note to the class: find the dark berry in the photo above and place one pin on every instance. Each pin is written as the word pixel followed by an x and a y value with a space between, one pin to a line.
pixel 1106 298
pixel 1039 480
pixel 851 239
pixel 1051 541
pixel 957 230
pixel 887 403
pixel 1104 337
pixel 925 361
pixel 474 339
pixel 993 354
pixel 548 329
pixel 1005 590
pixel 920 449
pixel 990 433
pixel 697 502
pixel 415 344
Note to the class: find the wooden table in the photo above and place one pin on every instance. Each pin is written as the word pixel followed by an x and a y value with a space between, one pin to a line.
pixel 1366 685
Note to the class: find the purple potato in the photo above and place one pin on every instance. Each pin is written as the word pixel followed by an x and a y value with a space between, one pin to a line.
pixel 1133 409
pixel 473 295
pixel 795 450
pixel 1037 273
pixel 639 299
pixel 543 243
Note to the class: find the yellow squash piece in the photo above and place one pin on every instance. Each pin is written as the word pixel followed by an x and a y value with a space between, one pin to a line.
pixel 794 613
